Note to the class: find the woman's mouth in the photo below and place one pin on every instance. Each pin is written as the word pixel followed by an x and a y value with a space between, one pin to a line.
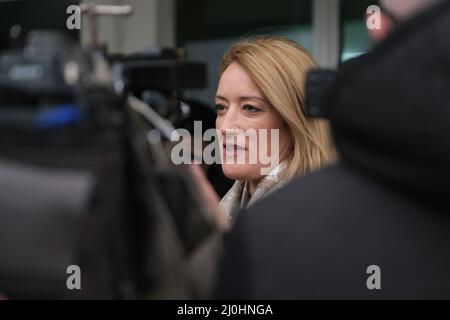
pixel 233 150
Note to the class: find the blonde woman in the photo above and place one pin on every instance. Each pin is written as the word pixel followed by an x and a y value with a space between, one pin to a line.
pixel 261 86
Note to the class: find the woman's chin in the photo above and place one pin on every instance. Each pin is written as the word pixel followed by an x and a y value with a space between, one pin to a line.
pixel 238 171
pixel 234 171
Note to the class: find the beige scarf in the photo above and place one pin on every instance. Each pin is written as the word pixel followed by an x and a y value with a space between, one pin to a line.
pixel 238 197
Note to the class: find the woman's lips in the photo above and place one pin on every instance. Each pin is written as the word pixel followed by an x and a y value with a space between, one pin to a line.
pixel 233 150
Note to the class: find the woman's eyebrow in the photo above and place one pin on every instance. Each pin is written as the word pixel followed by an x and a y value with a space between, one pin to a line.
pixel 221 98
pixel 243 98
pixel 253 98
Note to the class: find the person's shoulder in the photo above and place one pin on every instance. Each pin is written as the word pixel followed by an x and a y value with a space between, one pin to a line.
pixel 328 187
pixel 316 237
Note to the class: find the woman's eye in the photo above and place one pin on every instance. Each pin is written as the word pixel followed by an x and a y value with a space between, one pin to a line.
pixel 220 107
pixel 250 108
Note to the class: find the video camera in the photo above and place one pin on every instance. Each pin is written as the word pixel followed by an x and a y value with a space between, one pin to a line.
pixel 90 205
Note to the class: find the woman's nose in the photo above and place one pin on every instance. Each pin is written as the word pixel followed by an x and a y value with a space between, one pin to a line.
pixel 230 122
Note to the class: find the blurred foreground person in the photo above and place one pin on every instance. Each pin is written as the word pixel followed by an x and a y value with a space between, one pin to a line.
pixel 377 224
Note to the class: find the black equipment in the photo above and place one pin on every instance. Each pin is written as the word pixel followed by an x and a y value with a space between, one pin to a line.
pixel 85 180
pixel 318 83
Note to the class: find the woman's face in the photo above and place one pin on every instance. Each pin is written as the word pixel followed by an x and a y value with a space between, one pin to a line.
pixel 241 106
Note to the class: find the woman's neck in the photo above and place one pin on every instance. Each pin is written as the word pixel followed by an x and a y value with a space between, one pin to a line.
pixel 252 185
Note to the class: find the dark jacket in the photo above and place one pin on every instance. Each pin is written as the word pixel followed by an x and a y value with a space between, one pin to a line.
pixel 387 203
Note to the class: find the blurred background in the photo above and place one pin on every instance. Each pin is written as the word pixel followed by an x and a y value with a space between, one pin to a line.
pixel 333 30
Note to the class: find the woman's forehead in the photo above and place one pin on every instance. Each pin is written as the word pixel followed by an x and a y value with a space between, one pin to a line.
pixel 236 81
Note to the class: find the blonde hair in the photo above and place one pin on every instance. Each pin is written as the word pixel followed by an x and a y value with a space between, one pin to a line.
pixel 279 67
